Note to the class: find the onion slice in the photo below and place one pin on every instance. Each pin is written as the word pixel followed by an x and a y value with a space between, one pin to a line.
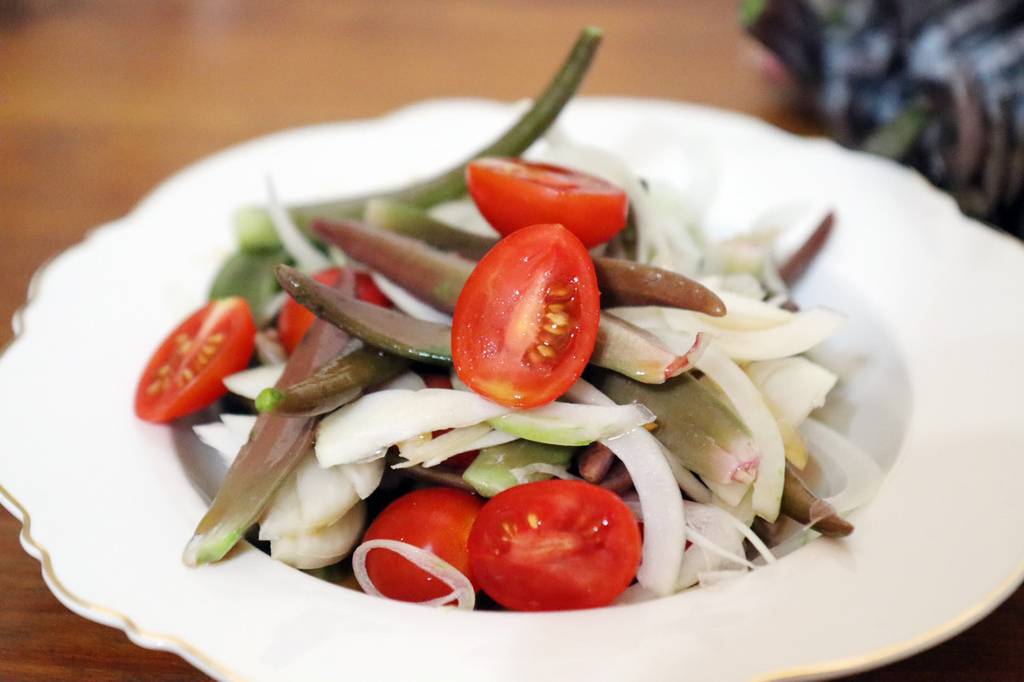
pixel 686 479
pixel 295 243
pixel 523 474
pixel 407 303
pixel 755 413
pixel 226 436
pixel 793 387
pixel 852 475
pixel 660 499
pixel 462 588
pixel 432 451
pixel 250 382
pixel 800 333
pixel 324 546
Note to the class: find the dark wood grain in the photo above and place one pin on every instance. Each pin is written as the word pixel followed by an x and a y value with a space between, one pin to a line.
pixel 101 100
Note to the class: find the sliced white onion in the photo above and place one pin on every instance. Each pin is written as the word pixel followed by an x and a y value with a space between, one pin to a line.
pixel 717 543
pixel 408 381
pixel 709 546
pixel 364 476
pixel 228 435
pixel 488 440
pixel 312 497
pixel 740 283
pixel 322 547
pixel 793 387
pixel 424 449
pixel 661 502
pixel 731 493
pixel 686 479
pixel 249 382
pixel 851 474
pixel 745 313
pixel 218 436
pixel 462 588
pixel 742 511
pixel 803 331
pixel 463 214
pixel 755 413
pixel 240 424
pixel 525 474
pixel 660 213
pixel 568 424
pixel 295 243
pixel 794 222
pixel 357 431
pixel 407 303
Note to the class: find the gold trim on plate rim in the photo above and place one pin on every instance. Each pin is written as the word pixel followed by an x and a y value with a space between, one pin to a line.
pixel 188 651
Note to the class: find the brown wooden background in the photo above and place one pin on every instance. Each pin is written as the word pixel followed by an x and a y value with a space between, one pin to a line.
pixel 101 100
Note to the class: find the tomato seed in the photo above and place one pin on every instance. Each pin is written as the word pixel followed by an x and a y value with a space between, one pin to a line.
pixel 546 350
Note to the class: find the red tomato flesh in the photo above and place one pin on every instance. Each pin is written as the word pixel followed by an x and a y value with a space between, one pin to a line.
pixel 434 519
pixel 294 320
pixel 513 193
pixel 526 321
pixel 367 290
pixel 187 371
pixel 554 545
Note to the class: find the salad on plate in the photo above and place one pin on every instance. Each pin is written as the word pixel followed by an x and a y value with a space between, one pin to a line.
pixel 531 382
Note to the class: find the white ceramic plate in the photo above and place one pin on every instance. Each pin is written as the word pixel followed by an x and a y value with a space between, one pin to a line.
pixel 933 384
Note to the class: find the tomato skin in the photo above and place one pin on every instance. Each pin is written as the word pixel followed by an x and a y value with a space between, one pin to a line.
pixel 294 320
pixel 554 545
pixel 186 372
pixel 435 519
pixel 513 193
pixel 525 323
pixel 367 290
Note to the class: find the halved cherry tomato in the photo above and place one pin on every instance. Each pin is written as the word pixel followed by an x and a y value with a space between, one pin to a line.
pixel 554 545
pixel 463 459
pixel 294 320
pixel 435 519
pixel 526 321
pixel 187 371
pixel 512 193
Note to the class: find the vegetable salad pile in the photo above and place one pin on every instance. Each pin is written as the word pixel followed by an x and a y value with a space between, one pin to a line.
pixel 556 392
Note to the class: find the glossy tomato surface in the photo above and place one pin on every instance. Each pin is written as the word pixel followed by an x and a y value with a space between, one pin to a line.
pixel 554 545
pixel 526 321
pixel 513 193
pixel 187 371
pixel 294 320
pixel 434 519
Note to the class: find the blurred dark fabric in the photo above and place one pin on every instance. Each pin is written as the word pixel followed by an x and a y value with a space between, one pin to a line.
pixel 937 84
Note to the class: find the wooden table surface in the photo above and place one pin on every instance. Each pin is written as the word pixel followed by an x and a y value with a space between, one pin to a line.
pixel 101 100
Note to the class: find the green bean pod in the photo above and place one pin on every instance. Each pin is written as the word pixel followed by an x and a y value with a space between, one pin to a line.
pixel 694 425
pixel 622 282
pixel 800 504
pixel 431 275
pixel 251 276
pixel 326 389
pixel 451 183
pixel 274 449
pixel 382 328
